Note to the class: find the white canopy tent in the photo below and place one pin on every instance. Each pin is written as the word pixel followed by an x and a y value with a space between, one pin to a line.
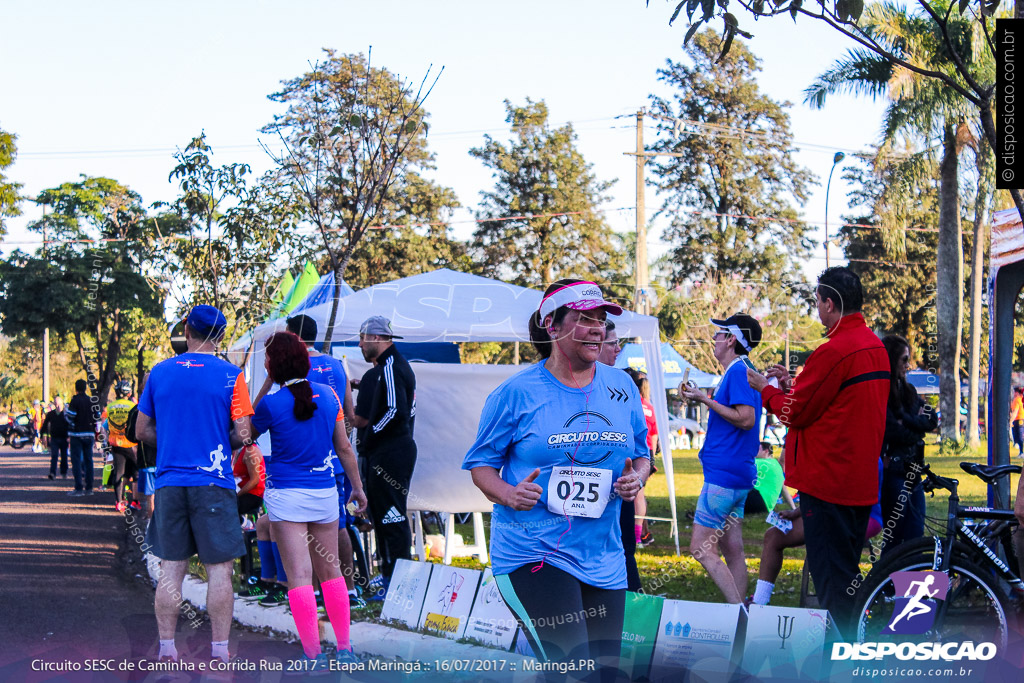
pixel 447 306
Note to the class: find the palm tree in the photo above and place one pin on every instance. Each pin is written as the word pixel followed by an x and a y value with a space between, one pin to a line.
pixel 925 109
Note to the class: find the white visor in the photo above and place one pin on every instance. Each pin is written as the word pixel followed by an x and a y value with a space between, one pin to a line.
pixel 579 296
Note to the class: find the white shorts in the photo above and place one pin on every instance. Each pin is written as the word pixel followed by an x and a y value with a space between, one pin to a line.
pixel 316 506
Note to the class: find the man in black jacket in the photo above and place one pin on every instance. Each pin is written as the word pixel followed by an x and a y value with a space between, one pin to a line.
pixel 55 427
pixel 82 416
pixel 384 414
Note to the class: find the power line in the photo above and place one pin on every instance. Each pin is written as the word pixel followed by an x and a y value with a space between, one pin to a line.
pixel 496 219
pixel 161 151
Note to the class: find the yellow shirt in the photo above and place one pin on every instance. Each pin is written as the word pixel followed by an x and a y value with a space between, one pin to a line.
pixel 117 420
pixel 1017 408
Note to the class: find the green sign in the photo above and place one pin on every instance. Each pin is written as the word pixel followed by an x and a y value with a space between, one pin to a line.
pixel 639 630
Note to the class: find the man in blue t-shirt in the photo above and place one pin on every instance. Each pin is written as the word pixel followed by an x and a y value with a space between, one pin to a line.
pixel 195 408
pixel 728 456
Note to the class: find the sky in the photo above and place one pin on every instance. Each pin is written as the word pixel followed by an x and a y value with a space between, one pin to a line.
pixel 113 88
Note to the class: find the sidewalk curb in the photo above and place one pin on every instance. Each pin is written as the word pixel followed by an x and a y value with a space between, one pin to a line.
pixel 367 638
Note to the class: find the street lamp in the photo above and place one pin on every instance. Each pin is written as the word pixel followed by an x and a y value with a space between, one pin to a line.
pixel 835 162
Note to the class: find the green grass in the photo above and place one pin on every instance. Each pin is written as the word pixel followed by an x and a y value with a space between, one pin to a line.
pixel 681 577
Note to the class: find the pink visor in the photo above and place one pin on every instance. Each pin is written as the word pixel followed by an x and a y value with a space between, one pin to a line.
pixel 579 296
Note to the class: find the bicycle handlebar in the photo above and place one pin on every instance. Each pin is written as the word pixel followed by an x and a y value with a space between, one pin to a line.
pixel 932 481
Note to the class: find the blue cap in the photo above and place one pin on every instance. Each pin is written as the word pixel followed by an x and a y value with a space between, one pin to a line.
pixel 207 321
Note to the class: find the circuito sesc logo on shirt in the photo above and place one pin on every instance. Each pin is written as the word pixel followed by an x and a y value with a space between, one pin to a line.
pixel 590 429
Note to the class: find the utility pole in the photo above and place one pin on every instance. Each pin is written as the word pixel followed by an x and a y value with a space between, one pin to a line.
pixel 642 282
pixel 46 330
pixel 641 298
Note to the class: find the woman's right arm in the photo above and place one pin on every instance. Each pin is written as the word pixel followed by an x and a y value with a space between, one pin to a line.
pixel 522 496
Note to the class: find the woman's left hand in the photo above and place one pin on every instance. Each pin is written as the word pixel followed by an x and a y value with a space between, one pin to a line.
pixel 628 485
pixel 359 498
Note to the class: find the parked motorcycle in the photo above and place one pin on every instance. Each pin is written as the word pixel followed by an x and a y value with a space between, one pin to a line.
pixel 18 432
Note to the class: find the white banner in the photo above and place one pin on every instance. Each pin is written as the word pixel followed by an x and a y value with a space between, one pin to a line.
pixel 449 399
pixel 784 642
pixel 490 620
pixel 404 600
pixel 696 637
pixel 449 599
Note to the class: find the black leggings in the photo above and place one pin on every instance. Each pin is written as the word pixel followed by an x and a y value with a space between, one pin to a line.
pixel 124 469
pixel 565 619
pixel 627 527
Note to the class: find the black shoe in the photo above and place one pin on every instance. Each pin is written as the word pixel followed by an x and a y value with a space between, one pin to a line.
pixel 254 590
pixel 275 596
pixel 50 477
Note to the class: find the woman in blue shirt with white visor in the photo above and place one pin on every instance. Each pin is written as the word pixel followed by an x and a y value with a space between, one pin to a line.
pixel 559 446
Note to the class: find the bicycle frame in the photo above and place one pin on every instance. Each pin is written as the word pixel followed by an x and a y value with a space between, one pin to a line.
pixel 955 528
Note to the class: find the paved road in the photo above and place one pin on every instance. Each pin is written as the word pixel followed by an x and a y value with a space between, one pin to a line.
pixel 62 596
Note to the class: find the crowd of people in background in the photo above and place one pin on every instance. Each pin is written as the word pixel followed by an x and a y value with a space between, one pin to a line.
pixel 186 457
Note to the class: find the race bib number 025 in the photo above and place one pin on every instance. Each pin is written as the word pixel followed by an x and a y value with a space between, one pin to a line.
pixel 579 491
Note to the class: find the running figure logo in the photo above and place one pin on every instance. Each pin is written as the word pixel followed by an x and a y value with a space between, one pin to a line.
pixel 917 596
pixel 327 464
pixel 217 459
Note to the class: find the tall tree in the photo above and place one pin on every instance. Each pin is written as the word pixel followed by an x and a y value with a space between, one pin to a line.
pixel 947 57
pixel 542 221
pixel 979 248
pixel 395 251
pixel 91 280
pixel 226 237
pixel 205 189
pixel 9 190
pixel 731 189
pixel 925 108
pixel 896 266
pixel 354 137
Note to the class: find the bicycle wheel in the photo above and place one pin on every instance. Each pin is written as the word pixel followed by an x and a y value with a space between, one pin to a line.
pixel 976 608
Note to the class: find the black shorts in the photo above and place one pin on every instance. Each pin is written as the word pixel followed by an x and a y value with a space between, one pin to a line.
pixel 195 519
pixel 248 502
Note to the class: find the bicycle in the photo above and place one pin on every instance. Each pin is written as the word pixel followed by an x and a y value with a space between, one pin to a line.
pixel 965 552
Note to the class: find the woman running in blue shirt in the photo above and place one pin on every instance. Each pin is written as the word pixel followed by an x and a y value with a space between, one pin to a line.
pixel 559 446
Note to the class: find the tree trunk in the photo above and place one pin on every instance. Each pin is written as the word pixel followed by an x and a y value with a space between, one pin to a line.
pixel 339 271
pixel 949 287
pixel 981 208
pixel 140 369
pixel 113 352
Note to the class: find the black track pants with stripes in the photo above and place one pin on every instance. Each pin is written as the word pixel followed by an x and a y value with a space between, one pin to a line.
pixel 388 473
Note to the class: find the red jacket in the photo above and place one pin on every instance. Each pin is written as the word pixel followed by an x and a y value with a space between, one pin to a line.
pixel 836 416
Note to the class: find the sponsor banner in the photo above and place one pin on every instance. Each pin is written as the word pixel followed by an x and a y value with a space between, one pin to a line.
pixel 639 632
pixel 449 599
pixel 490 620
pixel 404 600
pixel 785 642
pixel 696 637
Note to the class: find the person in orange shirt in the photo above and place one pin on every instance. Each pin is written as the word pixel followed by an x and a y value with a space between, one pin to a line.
pixel 1017 420
pixel 121 447
pixel 36 412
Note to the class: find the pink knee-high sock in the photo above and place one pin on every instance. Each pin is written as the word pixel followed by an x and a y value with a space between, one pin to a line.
pixel 303 604
pixel 336 601
pixel 639 531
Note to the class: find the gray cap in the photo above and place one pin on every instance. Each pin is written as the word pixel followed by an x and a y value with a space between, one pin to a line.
pixel 378 325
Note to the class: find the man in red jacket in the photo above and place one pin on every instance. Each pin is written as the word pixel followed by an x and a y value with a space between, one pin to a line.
pixel 835 411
